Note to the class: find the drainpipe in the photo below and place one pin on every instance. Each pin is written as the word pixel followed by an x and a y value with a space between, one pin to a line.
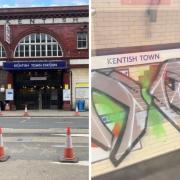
pixel 152 10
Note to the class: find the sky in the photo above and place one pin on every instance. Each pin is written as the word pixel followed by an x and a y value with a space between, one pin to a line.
pixel 32 3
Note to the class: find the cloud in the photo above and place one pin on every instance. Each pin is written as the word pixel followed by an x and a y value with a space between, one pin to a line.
pixel 80 2
pixel 54 5
pixel 25 2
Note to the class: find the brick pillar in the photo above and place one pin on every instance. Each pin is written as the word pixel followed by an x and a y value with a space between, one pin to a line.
pixel 66 82
pixel 10 78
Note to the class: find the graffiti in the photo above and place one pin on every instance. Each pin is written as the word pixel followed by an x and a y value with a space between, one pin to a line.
pixel 123 107
pixel 125 92
pixel 166 92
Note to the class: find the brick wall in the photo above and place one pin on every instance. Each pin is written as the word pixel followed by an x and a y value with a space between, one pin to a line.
pixel 65 34
pixel 116 25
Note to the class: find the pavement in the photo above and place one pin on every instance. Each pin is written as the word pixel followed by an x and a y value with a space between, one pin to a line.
pixel 36 145
pixel 165 167
pixel 44 113
pixel 36 156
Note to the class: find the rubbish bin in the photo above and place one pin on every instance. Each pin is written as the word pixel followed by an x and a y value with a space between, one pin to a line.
pixel 81 105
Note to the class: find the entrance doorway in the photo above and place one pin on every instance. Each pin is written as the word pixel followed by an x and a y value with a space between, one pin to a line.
pixel 38 89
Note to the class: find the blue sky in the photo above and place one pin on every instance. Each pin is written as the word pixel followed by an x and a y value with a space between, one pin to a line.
pixel 28 3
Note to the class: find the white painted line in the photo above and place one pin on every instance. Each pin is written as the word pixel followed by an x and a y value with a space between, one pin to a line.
pixel 64 122
pixel 73 135
pixel 28 117
pixel 80 163
pixel 44 117
pixel 23 121
pixel 30 122
pixel 78 146
pixel 58 117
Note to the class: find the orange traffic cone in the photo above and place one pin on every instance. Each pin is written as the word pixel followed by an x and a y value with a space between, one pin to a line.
pixel 77 111
pixel 1 114
pixel 3 157
pixel 69 154
pixel 26 111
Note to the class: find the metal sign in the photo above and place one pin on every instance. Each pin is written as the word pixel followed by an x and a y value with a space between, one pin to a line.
pixel 7 33
pixel 66 95
pixel 9 94
pixel 26 65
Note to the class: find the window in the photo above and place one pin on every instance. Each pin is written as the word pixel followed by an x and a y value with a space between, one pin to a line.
pixel 82 40
pixel 2 51
pixel 38 45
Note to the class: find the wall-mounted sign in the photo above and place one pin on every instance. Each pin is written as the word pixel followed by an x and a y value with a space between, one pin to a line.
pixel 132 59
pixel 82 90
pixel 26 65
pixel 82 93
pixel 66 86
pixel 66 95
pixel 82 84
pixel 7 33
pixel 9 86
pixel 38 78
pixel 9 94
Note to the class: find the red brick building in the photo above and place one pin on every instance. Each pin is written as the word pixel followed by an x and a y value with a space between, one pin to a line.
pixel 44 57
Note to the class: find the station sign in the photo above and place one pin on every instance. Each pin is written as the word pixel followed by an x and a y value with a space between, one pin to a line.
pixel 7 33
pixel 133 59
pixel 28 65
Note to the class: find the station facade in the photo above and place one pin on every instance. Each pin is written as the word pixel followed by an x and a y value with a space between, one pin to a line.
pixel 44 57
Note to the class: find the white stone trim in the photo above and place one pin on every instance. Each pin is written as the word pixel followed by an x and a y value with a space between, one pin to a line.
pixel 45 21
pixel 79 61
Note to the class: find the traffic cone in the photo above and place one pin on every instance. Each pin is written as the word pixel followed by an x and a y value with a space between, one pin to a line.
pixel 26 111
pixel 77 111
pixel 69 154
pixel 3 157
pixel 1 114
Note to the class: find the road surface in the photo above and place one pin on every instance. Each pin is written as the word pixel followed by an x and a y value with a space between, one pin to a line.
pixel 44 122
pixel 36 156
pixel 36 144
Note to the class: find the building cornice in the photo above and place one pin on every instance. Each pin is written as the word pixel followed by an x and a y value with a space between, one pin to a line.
pixel 44 12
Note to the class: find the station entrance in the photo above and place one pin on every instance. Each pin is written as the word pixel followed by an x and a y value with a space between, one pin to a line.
pixel 39 89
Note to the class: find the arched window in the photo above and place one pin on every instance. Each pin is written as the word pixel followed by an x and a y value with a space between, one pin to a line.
pixel 2 51
pixel 38 45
